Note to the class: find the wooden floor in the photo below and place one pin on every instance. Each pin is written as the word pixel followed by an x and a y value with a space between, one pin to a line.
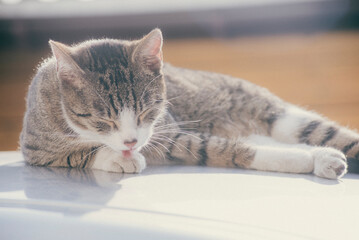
pixel 317 71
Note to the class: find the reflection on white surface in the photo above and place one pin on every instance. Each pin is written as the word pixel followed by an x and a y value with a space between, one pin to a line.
pixel 177 202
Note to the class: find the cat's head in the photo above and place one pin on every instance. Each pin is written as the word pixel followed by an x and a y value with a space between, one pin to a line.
pixel 113 91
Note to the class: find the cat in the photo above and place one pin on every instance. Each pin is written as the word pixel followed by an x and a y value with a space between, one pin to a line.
pixel 113 105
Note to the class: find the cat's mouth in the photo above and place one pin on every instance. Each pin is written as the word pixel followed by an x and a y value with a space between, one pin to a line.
pixel 127 153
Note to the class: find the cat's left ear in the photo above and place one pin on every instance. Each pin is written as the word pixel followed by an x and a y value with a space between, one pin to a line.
pixel 149 51
pixel 67 69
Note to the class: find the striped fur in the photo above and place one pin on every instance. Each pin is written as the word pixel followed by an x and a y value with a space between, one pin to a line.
pixel 89 100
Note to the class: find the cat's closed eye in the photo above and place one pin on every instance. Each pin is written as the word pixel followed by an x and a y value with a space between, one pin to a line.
pixel 158 101
pixel 102 127
pixel 84 115
pixel 147 115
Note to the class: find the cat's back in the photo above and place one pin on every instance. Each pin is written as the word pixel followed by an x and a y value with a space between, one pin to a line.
pixel 181 81
pixel 202 95
pixel 43 89
pixel 44 77
pixel 194 79
pixel 42 101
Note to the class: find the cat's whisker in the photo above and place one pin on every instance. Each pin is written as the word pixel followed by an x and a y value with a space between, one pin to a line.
pixel 182 132
pixel 165 128
pixel 188 150
pixel 162 137
pixel 173 98
pixel 161 145
pixel 159 152
pixel 166 102
pixel 189 134
pixel 175 129
pixel 177 124
pixel 168 140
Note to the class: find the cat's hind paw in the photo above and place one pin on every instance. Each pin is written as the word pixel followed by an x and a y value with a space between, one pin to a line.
pixel 329 163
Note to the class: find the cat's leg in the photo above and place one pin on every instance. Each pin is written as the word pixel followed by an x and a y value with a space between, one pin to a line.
pixel 272 155
pixel 101 158
pixel 253 153
pixel 300 126
pixel 199 149
pixel 104 158
pixel 51 156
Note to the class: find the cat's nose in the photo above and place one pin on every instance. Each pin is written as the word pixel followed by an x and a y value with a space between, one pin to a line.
pixel 130 144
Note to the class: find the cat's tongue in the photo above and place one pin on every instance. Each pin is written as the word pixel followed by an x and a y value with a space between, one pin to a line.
pixel 127 153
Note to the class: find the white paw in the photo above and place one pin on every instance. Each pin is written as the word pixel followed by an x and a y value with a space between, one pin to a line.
pixel 111 161
pixel 138 162
pixel 329 163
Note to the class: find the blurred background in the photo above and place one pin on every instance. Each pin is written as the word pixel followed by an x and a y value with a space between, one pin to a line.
pixel 305 51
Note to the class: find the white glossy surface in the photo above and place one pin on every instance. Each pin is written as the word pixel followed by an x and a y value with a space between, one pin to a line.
pixel 177 202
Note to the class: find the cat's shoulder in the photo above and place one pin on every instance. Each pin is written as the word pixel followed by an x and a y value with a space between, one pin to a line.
pixel 46 65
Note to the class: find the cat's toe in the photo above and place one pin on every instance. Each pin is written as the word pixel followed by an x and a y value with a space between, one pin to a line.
pixel 125 166
pixel 329 163
pixel 132 165
pixel 139 162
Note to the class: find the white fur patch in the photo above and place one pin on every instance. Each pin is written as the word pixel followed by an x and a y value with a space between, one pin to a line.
pixel 274 156
pixel 285 129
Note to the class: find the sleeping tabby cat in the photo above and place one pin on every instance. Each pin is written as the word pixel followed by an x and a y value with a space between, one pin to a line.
pixel 113 105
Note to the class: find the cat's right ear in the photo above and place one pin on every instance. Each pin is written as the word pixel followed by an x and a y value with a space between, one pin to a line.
pixel 67 69
pixel 149 51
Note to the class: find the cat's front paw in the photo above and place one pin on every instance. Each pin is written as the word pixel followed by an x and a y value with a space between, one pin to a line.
pixel 135 164
pixel 329 163
pixel 111 161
